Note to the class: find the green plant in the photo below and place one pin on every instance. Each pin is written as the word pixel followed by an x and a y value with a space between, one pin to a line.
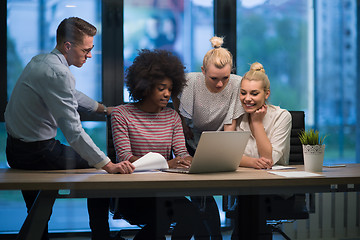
pixel 311 137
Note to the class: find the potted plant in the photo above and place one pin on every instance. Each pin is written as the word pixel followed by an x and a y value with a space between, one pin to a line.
pixel 313 149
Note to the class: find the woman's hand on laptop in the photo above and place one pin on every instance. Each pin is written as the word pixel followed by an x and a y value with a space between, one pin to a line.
pixel 180 162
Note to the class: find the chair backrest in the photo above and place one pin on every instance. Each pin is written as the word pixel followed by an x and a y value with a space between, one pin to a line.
pixel 298 124
pixel 109 141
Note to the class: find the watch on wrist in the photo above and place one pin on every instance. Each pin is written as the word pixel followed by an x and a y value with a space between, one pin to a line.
pixel 105 110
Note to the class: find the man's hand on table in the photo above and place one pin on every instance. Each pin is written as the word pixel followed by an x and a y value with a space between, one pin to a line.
pixel 121 167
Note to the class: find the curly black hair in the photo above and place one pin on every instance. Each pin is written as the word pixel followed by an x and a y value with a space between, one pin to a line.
pixel 151 67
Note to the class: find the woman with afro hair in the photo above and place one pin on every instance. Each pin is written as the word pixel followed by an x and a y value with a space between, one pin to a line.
pixel 146 125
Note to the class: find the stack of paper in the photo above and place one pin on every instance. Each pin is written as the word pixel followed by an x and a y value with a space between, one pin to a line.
pixel 296 174
pixel 150 161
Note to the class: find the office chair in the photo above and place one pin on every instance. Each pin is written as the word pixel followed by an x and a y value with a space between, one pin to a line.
pixel 113 201
pixel 279 209
pixel 298 124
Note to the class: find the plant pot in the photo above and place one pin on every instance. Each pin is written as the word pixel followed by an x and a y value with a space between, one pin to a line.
pixel 313 157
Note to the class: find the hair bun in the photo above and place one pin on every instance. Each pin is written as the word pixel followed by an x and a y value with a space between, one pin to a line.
pixel 216 42
pixel 256 66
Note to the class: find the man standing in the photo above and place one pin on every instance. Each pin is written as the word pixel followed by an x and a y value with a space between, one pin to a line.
pixel 45 99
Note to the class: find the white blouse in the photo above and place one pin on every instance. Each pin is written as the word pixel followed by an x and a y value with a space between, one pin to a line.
pixel 277 123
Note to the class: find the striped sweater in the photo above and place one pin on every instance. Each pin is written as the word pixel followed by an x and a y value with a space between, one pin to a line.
pixel 136 132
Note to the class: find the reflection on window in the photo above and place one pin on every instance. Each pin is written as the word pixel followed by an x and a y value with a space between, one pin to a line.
pixel 32 30
pixel 276 34
pixel 3 136
pixel 182 27
pixel 311 67
pixel 336 77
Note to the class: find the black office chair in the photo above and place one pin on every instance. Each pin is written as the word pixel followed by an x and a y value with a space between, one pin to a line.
pixel 298 124
pixel 109 141
pixel 113 201
pixel 112 155
pixel 280 210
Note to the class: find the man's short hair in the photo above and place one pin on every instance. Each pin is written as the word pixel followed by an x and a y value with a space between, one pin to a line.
pixel 73 29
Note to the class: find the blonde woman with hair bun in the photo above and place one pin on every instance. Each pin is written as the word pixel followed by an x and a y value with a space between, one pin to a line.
pixel 270 125
pixel 210 102
pixel 218 56
pixel 269 144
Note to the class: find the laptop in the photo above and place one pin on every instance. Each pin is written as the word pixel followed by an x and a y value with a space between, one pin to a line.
pixel 217 151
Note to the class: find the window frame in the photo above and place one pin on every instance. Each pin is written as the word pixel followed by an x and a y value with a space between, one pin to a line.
pixel 3 59
pixel 112 52
pixel 357 156
pixel 225 24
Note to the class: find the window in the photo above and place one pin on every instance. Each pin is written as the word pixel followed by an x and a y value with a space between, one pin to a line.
pixel 336 78
pixel 31 30
pixel 3 136
pixel 308 48
pixel 38 35
pixel 312 67
pixel 278 35
pixel 182 27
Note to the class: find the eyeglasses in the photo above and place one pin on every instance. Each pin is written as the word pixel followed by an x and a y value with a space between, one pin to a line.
pixel 86 51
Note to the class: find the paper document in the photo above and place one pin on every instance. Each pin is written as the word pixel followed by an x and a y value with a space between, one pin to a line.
pixel 150 161
pixel 298 174
pixel 280 167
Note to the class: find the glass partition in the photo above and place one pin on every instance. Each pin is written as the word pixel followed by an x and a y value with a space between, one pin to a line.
pixel 3 136
pixel 31 30
pixel 309 51
pixel 336 61
pixel 278 35
pixel 183 27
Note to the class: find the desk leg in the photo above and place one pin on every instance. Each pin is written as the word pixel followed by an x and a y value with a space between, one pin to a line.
pixel 250 222
pixel 35 222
